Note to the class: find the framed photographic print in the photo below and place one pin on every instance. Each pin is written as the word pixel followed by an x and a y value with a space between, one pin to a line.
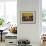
pixel 28 17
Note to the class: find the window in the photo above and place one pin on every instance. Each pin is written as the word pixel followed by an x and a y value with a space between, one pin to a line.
pixel 43 16
pixel 1 9
pixel 11 11
pixel 44 10
pixel 8 11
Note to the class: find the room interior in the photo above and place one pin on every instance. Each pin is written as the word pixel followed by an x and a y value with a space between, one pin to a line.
pixel 22 22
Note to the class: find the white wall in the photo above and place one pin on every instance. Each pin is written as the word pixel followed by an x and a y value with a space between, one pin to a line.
pixel 29 31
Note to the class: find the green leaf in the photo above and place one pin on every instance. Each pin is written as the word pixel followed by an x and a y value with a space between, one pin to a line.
pixel 1 22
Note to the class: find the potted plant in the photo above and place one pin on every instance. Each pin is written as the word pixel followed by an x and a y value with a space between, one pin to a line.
pixel 1 22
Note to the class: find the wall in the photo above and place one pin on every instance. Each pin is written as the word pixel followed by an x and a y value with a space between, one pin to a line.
pixel 29 31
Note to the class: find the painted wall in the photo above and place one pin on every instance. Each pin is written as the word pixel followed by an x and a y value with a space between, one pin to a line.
pixel 29 31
